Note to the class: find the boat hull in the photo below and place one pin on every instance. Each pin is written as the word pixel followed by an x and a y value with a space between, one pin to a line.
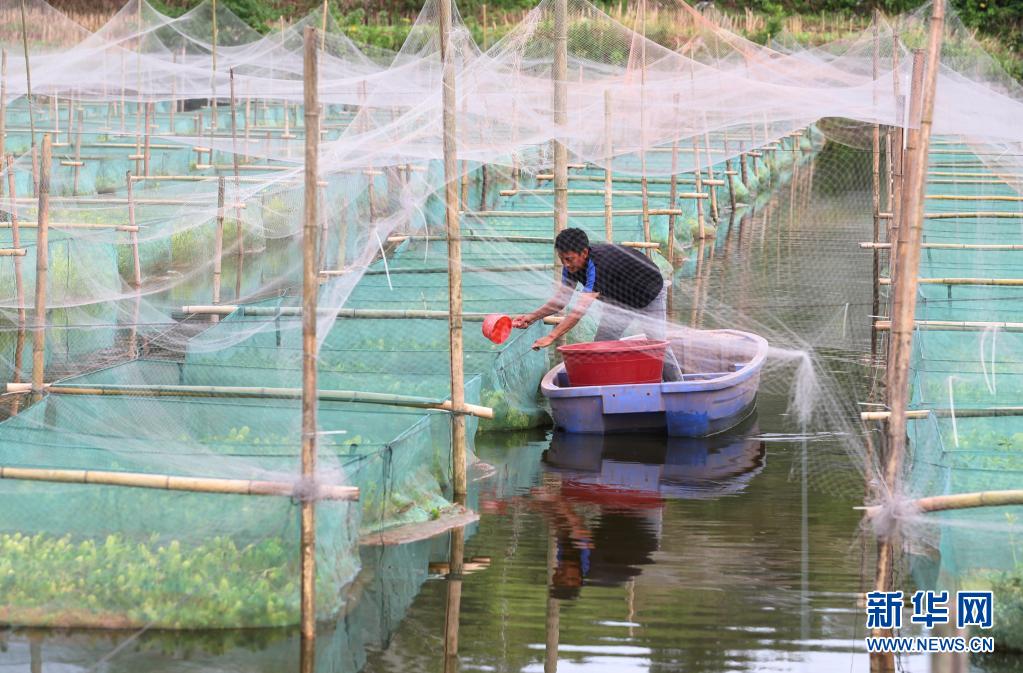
pixel 700 405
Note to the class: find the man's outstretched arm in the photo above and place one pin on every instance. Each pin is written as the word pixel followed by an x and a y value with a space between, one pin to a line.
pixel 571 320
pixel 553 305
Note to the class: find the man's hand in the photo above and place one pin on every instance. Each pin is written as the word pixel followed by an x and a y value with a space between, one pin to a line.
pixel 522 321
pixel 543 342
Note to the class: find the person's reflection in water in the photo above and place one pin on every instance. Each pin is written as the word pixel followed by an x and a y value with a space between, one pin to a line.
pixel 602 538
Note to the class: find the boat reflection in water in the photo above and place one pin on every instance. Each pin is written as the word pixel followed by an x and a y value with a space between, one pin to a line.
pixel 604 497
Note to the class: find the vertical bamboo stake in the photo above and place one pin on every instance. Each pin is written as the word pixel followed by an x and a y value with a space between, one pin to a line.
pixel 453 599
pixel 310 287
pixel 608 159
pixel 134 235
pixel 644 190
pixel 35 171
pixel 3 108
pixel 239 234
pixel 28 85
pixel 560 75
pixel 743 168
pixel 218 244
pixel 728 175
pixel 552 621
pixel 485 45
pixel 323 27
pixel 19 282
pixel 342 234
pixel 70 118
pixel 173 102
pixel 145 153
pixel 42 270
pixel 710 174
pixel 906 158
pixel 904 306
pixel 875 193
pixel 213 71
pixel 78 151
pixel 454 235
pixel 699 188
pixel 673 190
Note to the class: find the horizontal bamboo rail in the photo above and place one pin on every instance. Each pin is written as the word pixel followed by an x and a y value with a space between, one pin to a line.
pixel 1001 282
pixel 650 181
pixel 119 201
pixel 986 412
pixel 330 273
pixel 12 252
pixel 167 482
pixel 973 197
pixel 975 174
pixel 940 503
pixel 601 192
pixel 951 246
pixel 71 225
pixel 973 214
pixel 547 240
pixel 479 214
pixel 240 392
pixel 362 313
pixel 955 326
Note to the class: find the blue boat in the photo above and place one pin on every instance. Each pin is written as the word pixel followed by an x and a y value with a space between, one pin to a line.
pixel 717 390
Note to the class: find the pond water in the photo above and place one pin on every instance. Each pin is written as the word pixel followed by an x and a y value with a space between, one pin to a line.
pixel 738 553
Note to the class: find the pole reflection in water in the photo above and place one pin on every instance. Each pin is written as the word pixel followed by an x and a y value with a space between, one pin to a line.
pixel 453 599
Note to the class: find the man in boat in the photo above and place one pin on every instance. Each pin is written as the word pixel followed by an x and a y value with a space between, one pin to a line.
pixel 627 283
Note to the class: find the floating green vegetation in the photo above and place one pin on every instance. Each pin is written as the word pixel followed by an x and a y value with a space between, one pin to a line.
pixel 119 582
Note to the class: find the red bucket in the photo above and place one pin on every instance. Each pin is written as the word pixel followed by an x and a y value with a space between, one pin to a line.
pixel 608 363
pixel 497 327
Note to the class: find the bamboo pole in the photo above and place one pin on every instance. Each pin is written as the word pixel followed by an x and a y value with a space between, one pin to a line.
pixel 994 282
pixel 905 301
pixel 19 281
pixel 984 412
pixel 743 168
pixel 213 71
pixel 310 289
pixel 218 243
pixel 559 73
pixel 342 234
pixel 530 214
pixel 907 156
pixel 323 27
pixel 642 124
pixel 35 171
pixel 956 325
pixel 952 246
pixel 243 392
pixel 710 174
pixel 28 80
pixel 148 138
pixel 169 482
pixel 453 598
pixel 3 108
pixel 486 44
pixel 673 189
pixel 452 225
pixel 78 152
pixel 239 233
pixel 362 313
pixel 875 192
pixel 608 159
pixel 134 235
pixel 941 503
pixel 42 270
pixel 699 188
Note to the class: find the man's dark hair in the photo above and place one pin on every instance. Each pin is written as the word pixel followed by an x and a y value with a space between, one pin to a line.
pixel 572 240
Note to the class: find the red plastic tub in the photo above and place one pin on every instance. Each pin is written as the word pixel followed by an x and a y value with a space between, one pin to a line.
pixel 609 363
